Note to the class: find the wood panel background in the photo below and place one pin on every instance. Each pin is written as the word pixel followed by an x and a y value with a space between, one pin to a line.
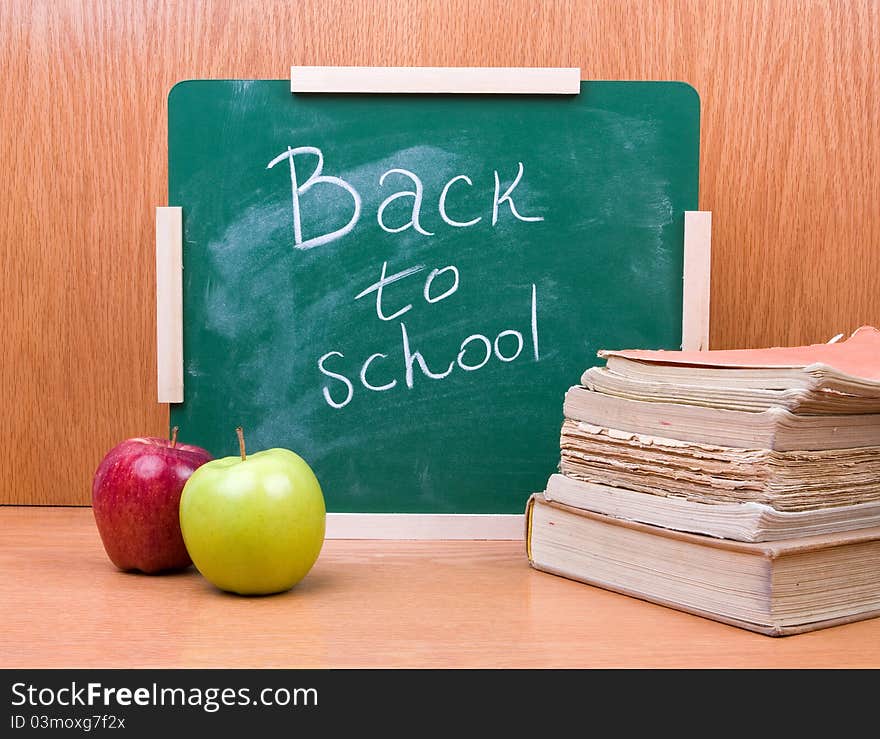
pixel 790 168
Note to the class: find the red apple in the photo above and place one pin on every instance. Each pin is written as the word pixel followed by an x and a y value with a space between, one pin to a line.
pixel 136 502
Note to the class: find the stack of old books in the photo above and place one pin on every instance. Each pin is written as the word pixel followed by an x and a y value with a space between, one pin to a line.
pixel 739 485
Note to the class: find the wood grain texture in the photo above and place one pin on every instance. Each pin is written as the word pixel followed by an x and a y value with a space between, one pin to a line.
pixel 365 604
pixel 790 168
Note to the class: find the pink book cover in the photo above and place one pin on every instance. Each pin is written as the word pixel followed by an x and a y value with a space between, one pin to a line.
pixel 857 356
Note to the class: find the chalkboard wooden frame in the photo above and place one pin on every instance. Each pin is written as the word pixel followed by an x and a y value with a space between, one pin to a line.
pixel 695 322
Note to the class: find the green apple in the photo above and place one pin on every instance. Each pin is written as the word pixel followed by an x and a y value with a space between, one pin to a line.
pixel 253 524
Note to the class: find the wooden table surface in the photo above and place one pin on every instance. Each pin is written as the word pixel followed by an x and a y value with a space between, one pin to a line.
pixel 365 604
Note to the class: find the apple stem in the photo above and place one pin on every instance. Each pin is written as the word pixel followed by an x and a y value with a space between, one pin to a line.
pixel 174 436
pixel 240 433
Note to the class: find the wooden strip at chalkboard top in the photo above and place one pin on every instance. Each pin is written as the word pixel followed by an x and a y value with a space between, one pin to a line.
pixel 504 80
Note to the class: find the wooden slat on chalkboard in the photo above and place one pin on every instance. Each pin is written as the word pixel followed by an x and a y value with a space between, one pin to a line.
pixel 169 304
pixel 447 527
pixel 697 273
pixel 474 80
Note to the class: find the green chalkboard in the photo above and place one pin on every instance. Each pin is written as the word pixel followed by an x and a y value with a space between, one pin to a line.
pixel 518 235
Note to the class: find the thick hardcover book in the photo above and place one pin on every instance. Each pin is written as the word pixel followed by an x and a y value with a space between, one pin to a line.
pixel 776 588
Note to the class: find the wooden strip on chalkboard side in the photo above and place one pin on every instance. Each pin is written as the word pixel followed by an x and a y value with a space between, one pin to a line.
pixel 474 80
pixel 169 304
pixel 697 274
pixel 434 526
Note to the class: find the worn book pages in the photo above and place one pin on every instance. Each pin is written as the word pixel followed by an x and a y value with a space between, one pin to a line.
pixel 772 428
pixel 738 521
pixel 722 392
pixel 832 379
pixel 853 363
pixel 786 481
